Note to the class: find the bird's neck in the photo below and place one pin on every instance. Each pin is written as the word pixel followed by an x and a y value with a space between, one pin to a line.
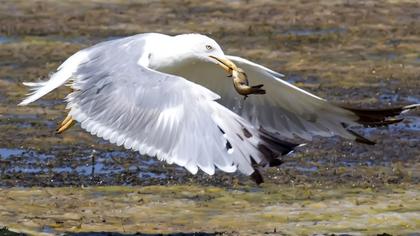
pixel 169 56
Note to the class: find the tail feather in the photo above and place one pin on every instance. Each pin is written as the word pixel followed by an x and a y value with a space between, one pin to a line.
pixel 64 73
pixel 41 89
pixel 35 85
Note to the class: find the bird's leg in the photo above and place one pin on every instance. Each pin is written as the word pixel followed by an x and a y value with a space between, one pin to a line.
pixel 67 123
pixel 68 117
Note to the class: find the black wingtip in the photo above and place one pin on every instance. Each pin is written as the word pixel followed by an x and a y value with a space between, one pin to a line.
pixel 275 162
pixel 271 149
pixel 276 144
pixel 257 177
pixel 380 117
pixel 360 138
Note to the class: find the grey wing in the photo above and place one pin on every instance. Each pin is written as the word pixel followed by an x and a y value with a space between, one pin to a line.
pixel 163 115
pixel 286 109
pixel 290 110
pixel 293 111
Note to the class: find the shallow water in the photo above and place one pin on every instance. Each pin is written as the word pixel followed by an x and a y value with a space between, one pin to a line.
pixel 357 53
pixel 92 166
pixel 6 39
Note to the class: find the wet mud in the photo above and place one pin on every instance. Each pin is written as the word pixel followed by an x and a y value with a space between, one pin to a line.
pixel 362 54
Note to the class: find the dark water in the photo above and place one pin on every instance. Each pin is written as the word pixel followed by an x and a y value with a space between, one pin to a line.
pixel 63 166
pixel 364 54
pixel 7 39
pixel 331 57
pixel 91 166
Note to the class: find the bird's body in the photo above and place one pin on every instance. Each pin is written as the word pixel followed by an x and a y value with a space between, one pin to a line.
pixel 165 96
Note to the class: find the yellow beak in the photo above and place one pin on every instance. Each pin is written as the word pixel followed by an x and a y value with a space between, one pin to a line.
pixel 226 64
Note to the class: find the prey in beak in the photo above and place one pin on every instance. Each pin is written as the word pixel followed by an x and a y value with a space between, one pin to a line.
pixel 240 79
pixel 241 84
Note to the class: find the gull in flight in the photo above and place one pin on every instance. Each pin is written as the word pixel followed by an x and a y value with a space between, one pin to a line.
pixel 166 96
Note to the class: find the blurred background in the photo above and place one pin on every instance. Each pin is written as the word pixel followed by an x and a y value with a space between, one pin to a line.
pixel 360 53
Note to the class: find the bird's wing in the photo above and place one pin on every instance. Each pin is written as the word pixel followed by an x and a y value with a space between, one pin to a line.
pixel 286 109
pixel 164 115
pixel 289 109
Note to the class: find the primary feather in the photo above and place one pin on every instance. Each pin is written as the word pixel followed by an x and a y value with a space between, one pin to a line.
pixel 158 114
pixel 167 108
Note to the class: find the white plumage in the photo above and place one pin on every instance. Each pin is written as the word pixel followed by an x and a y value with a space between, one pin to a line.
pixel 163 96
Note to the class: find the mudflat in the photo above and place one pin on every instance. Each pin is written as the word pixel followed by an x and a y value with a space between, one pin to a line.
pixel 362 54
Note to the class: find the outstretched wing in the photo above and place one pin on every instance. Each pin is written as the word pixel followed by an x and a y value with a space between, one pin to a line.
pixel 286 109
pixel 163 115
pixel 289 109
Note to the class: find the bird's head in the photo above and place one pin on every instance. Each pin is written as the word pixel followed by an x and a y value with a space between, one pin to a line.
pixel 194 48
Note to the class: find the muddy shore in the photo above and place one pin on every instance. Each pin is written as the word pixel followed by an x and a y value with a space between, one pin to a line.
pixel 361 53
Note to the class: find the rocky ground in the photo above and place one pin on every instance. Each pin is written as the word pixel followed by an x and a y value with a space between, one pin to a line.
pixel 361 53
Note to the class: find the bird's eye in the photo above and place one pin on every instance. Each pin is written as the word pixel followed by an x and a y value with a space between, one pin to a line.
pixel 209 47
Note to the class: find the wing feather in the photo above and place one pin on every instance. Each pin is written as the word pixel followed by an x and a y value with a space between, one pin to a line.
pixel 284 109
pixel 306 115
pixel 158 114
pixel 162 115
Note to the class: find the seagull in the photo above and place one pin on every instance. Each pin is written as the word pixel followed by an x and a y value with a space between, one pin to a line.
pixel 170 97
